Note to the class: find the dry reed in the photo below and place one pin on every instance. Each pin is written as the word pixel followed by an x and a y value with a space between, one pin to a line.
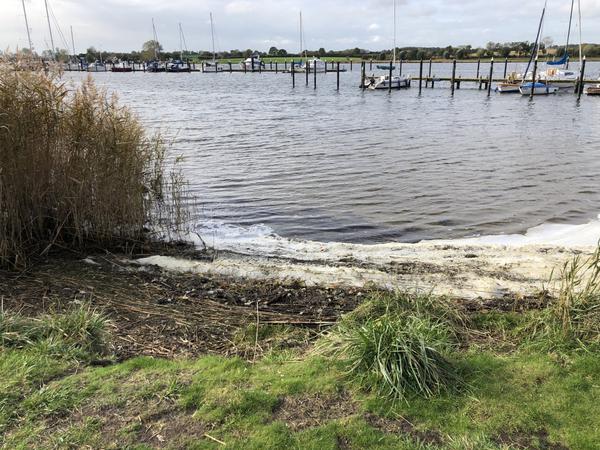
pixel 75 168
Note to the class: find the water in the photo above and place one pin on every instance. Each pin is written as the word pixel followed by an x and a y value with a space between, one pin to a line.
pixel 373 167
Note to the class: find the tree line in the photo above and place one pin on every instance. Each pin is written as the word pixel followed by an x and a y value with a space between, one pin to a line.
pixel 517 49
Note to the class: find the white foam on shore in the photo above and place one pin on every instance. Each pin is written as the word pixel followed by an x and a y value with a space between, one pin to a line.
pixel 261 240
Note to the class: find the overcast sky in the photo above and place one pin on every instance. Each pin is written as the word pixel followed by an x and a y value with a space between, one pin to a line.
pixel 123 25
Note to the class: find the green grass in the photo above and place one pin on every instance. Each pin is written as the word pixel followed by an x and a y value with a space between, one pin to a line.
pixel 523 397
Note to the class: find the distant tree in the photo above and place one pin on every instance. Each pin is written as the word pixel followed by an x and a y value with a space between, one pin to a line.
pixel 322 52
pixel 273 51
pixel 149 49
pixel 91 54
pixel 461 53
pixel 282 52
pixel 505 51
pixel 248 53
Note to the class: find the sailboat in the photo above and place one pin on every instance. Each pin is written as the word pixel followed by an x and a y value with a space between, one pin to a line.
pixel 155 65
pixel 530 85
pixel 564 78
pixel 212 64
pixel 313 64
pixel 179 65
pixel 385 81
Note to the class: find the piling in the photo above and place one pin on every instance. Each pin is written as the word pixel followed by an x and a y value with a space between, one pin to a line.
pixel 293 75
pixel 535 63
pixel 285 64
pixel 420 75
pixel 505 67
pixel 276 70
pixel 371 64
pixel 230 68
pixel 400 68
pixel 260 67
pixel 580 85
pixel 306 71
pixel 453 79
pixel 351 65
pixel 390 80
pixel 271 65
pixel 252 59
pixel 315 74
pixel 245 67
pixel 430 63
pixel 338 75
pixel 362 75
pixel 478 67
pixel 489 86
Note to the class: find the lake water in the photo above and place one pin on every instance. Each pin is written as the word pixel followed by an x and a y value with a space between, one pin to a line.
pixel 371 167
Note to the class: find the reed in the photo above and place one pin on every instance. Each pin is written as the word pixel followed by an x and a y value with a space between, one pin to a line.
pixel 75 168
pixel 572 320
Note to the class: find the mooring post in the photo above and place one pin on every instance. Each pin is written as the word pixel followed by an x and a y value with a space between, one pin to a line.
pixel 216 66
pixel 489 86
pixel 390 75
pixel 271 65
pixel 420 75
pixel 362 75
pixel 230 68
pixel 245 67
pixel 306 71
pixel 276 70
pixel 430 63
pixel 453 79
pixel 285 64
pixel 505 67
pixel 338 75
pixel 252 59
pixel 478 67
pixel 293 75
pixel 535 64
pixel 581 78
pixel 350 64
pixel 371 64
pixel 315 74
pixel 400 68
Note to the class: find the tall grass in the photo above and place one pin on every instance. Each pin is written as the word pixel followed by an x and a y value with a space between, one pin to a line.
pixel 75 168
pixel 572 320
pixel 398 345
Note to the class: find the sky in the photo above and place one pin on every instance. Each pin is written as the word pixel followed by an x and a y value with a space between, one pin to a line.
pixel 124 25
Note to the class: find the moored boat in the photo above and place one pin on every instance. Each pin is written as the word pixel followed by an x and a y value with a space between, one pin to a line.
pixel 252 63
pixel 97 66
pixel 384 82
pixel 177 66
pixel 121 67
pixel 538 88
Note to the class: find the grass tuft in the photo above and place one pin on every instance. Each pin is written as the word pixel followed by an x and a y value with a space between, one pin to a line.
pixel 398 345
pixel 572 320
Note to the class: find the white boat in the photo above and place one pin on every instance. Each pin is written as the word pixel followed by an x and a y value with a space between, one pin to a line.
pixel 389 80
pixel 97 66
pixel 383 82
pixel 564 79
pixel 252 63
pixel 177 65
pixel 538 88
pixel 313 64
pixel 511 84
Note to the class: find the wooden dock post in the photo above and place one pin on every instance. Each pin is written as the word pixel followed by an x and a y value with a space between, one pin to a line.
pixel 350 64
pixel 535 64
pixel 390 75
pixel 362 75
pixel 420 75
pixel 216 66
pixel 315 74
pixel 580 85
pixel 400 69
pixel 230 68
pixel 201 66
pixel 478 67
pixel 245 67
pixel 371 64
pixel 491 77
pixel 429 72
pixel 338 75
pixel 293 76
pixel 505 67
pixel 458 82
pixel 306 71
pixel 271 65
pixel 276 70
pixel 285 64
pixel 453 79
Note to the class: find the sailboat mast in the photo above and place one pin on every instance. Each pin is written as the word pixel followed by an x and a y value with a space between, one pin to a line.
pixel 580 34
pixel 180 42
pixel 49 29
pixel 394 32
pixel 73 41
pixel 302 50
pixel 535 50
pixel 27 27
pixel 155 40
pixel 212 34
pixel 569 34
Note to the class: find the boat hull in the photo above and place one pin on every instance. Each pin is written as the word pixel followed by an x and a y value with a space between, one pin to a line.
pixel 539 89
pixel 508 88
pixel 383 83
